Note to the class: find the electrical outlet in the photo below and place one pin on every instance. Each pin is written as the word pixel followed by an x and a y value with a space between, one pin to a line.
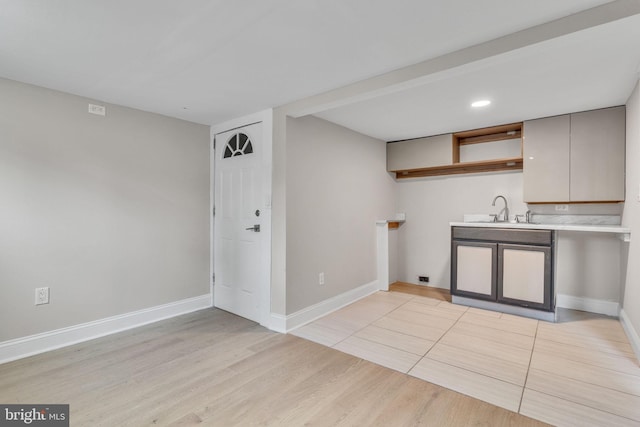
pixel 42 296
pixel 562 208
pixel 321 279
pixel 423 279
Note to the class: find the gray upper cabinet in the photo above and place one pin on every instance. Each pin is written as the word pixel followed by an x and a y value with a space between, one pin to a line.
pixel 576 157
pixel 420 153
pixel 546 153
pixel 597 155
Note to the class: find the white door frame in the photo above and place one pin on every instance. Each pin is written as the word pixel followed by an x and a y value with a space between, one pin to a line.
pixel 266 117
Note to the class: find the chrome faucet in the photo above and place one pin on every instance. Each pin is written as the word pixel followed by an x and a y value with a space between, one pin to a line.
pixel 505 210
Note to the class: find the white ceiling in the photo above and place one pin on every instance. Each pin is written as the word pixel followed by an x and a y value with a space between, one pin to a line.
pixel 209 61
pixel 591 69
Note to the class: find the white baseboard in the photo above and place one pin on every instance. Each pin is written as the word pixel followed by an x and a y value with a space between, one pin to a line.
pixel 608 308
pixel 46 341
pixel 295 320
pixel 278 323
pixel 631 332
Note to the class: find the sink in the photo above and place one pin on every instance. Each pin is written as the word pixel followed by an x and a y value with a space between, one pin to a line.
pixel 482 218
pixel 502 222
pixel 488 219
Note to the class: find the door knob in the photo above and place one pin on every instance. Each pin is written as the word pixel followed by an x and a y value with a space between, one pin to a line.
pixel 255 228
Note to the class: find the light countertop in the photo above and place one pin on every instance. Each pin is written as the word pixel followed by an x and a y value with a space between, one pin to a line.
pixel 616 229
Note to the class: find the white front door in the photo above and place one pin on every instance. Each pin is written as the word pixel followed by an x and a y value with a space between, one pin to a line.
pixel 238 222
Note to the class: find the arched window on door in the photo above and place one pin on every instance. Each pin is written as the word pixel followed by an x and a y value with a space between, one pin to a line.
pixel 238 145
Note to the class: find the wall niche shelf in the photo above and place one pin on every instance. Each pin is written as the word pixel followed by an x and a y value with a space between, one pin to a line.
pixel 490 134
pixel 394 224
pixel 514 161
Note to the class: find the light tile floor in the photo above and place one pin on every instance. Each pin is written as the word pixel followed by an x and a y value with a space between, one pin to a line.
pixel 579 371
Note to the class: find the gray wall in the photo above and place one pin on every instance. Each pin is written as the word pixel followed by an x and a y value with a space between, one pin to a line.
pixel 109 212
pixel 631 216
pixel 337 187
pixel 588 263
pixel 424 241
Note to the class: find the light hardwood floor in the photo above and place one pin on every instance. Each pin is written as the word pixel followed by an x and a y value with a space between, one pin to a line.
pixel 423 291
pixel 579 371
pixel 216 369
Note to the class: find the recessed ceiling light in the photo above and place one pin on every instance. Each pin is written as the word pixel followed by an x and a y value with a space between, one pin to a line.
pixel 481 103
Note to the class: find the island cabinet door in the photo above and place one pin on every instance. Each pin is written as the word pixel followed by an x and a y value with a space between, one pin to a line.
pixel 474 269
pixel 524 276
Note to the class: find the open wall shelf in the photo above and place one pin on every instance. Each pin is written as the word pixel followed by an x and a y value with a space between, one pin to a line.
pixel 477 136
pixel 514 163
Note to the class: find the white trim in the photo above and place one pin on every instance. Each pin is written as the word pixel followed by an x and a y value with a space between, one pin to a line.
pixel 267 166
pixel 311 313
pixel 47 341
pixel 278 323
pixel 212 169
pixel 631 332
pixel 591 305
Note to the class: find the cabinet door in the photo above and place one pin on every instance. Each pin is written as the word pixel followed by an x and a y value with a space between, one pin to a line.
pixel 546 153
pixel 473 269
pixel 420 153
pixel 524 275
pixel 597 155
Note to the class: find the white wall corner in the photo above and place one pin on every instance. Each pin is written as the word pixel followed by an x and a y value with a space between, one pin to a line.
pixel 278 323
pixel 47 341
pixel 608 308
pixel 382 259
pixel 311 313
pixel 631 332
